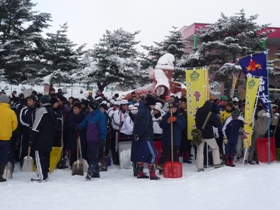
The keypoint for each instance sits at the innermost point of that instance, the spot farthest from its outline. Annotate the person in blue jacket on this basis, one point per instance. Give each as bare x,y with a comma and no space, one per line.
179,123
231,130
96,125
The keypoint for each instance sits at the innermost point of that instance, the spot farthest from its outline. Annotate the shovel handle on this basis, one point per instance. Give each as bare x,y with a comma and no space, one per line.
29,150
171,128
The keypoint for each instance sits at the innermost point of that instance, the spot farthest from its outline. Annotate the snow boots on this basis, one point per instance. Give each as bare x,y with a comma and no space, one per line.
140,173
93,172
152,170
2,168
229,160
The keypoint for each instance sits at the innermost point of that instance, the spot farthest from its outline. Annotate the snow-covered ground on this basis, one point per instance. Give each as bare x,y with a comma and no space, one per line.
246,187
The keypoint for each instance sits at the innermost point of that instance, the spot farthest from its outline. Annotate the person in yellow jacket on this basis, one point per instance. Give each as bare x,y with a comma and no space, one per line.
227,112
8,123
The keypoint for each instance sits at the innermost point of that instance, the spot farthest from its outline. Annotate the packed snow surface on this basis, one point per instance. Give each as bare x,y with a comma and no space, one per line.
243,187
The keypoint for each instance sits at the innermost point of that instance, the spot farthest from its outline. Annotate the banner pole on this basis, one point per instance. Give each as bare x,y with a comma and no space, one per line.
268,121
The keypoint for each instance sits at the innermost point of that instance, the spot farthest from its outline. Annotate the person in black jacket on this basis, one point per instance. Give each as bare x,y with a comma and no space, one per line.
26,119
74,119
208,135
143,134
41,139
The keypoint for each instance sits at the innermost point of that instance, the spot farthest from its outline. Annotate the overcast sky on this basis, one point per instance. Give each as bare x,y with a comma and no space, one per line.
89,19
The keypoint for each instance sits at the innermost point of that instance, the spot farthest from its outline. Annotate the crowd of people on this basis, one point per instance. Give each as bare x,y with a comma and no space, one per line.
41,121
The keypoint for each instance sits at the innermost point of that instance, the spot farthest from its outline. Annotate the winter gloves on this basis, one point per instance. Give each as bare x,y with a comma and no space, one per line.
171,119
225,140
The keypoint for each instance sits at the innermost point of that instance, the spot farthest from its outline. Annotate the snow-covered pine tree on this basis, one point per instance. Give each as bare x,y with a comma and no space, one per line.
60,55
113,60
174,44
20,36
226,40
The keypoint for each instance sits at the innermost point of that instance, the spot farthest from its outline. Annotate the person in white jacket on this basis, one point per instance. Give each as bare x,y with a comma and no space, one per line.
157,117
128,123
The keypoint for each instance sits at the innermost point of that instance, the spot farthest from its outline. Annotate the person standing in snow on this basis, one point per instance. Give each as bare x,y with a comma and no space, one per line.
207,135
179,123
231,131
26,119
143,134
96,125
8,123
42,136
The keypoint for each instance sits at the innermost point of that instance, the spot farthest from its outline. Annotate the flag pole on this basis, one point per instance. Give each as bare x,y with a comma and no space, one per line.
268,121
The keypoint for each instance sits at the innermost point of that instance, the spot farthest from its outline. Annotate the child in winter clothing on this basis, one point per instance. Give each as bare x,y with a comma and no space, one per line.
179,124
74,119
231,131
96,125
227,112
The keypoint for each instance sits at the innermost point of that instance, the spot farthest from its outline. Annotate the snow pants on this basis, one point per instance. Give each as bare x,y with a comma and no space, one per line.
93,156
146,152
42,163
4,151
215,152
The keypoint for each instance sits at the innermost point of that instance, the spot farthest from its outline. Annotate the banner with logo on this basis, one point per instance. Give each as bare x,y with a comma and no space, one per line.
252,88
256,66
197,92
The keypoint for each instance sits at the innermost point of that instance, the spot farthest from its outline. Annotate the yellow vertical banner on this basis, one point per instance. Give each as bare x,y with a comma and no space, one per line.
234,81
197,89
252,88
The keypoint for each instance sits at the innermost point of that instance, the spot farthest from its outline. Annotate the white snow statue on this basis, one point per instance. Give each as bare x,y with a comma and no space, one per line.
166,62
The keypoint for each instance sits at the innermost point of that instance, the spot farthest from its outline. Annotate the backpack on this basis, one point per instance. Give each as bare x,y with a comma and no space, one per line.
197,136
197,133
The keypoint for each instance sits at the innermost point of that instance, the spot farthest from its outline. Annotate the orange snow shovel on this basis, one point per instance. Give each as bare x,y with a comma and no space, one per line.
172,169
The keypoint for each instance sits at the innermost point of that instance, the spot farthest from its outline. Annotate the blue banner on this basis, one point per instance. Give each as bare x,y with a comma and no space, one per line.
256,66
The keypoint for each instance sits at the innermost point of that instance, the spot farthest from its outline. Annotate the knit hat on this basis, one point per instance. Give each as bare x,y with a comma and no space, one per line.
150,100
53,101
235,114
4,99
93,104
224,98
45,99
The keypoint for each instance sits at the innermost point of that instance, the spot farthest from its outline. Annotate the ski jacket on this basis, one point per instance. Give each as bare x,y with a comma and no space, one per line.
157,128
27,116
8,122
96,125
143,124
127,127
200,117
178,126
232,127
43,129
224,115
118,118
73,121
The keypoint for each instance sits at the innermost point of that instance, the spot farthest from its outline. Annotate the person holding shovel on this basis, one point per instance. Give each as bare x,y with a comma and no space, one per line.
96,125
8,123
41,138
179,123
